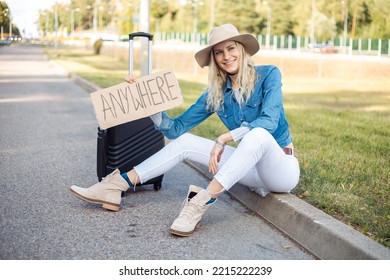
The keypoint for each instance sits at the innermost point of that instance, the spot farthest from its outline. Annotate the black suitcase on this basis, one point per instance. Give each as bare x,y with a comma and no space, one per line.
126,145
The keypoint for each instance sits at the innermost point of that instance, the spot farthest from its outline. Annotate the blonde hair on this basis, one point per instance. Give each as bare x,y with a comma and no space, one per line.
246,78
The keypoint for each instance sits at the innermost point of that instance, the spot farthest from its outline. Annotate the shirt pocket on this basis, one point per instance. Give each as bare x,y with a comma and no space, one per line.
252,109
227,117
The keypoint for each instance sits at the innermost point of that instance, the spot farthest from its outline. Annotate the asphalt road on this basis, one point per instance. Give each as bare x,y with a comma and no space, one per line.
48,142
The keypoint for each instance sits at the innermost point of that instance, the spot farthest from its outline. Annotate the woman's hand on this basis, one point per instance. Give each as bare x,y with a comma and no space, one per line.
131,79
215,157
216,152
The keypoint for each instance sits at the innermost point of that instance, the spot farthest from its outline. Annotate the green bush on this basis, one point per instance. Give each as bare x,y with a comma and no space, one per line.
97,46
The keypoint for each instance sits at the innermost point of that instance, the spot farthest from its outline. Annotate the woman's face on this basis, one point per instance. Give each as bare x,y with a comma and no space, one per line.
227,56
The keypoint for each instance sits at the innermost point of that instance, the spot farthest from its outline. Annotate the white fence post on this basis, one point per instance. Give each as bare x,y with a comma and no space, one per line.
306,42
267,41
259,39
369,45
275,43
298,43
289,42
350,46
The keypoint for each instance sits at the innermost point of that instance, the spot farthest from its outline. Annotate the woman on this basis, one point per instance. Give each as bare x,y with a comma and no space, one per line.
248,100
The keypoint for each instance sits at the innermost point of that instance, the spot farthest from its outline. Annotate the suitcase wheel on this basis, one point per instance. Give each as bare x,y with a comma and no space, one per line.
157,186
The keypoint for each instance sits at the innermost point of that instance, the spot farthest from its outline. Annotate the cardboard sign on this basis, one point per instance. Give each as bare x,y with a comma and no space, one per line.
127,102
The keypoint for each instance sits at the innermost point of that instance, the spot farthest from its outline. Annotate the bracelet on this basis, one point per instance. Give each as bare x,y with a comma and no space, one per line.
219,144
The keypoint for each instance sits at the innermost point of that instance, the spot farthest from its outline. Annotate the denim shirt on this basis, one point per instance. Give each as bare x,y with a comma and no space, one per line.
263,109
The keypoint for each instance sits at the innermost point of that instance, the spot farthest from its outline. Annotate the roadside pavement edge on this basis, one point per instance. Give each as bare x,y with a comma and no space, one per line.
87,85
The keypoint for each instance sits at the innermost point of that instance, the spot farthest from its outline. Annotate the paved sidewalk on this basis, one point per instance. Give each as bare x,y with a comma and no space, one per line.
48,143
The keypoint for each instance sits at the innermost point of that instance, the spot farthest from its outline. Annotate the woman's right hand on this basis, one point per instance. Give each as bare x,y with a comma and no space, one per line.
215,157
130,79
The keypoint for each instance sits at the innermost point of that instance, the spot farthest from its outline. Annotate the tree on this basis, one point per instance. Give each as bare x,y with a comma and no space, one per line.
158,9
325,27
366,18
380,25
241,14
282,21
5,15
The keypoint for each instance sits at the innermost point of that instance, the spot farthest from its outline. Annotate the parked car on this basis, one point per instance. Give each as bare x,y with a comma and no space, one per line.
322,48
5,42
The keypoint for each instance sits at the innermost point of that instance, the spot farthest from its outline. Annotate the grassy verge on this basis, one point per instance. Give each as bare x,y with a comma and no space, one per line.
342,141
344,149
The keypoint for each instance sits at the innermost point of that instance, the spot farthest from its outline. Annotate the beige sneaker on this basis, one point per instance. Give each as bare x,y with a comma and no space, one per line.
107,192
193,208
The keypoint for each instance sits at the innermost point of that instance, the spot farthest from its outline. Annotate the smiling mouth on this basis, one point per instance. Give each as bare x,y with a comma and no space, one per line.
229,62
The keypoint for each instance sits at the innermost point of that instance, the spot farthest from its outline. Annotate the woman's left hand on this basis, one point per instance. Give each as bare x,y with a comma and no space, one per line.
131,79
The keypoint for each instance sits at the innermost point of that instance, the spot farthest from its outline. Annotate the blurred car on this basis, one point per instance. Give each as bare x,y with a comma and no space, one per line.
5,42
322,48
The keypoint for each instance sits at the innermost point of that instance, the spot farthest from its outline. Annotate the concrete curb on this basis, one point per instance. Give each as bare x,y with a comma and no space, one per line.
87,85
319,233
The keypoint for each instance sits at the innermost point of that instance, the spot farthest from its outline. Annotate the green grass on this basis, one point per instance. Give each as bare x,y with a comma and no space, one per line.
344,152
342,141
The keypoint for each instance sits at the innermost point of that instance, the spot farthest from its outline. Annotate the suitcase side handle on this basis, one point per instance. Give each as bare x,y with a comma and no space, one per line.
140,34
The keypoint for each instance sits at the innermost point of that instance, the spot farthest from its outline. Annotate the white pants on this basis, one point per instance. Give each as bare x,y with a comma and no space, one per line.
258,162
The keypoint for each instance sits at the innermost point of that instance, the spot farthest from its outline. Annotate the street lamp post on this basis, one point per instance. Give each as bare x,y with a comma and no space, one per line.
195,22
94,21
269,21
56,28
71,24
313,22
72,21
100,17
195,4
10,24
144,21
47,28
345,4
212,13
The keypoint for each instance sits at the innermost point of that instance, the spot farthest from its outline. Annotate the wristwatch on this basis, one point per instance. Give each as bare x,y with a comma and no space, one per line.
219,144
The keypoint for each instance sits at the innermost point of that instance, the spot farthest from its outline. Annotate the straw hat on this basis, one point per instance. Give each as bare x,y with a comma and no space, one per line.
226,32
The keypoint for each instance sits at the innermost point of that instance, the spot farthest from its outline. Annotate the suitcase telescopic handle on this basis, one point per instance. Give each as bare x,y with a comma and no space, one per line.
140,34
131,49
